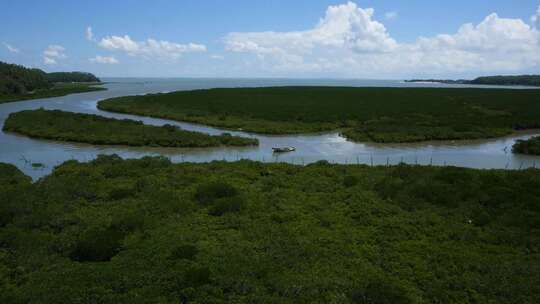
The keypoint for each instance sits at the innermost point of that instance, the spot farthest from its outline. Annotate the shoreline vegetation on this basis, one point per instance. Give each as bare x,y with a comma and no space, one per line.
148,231
19,83
57,90
99,130
521,80
530,146
384,115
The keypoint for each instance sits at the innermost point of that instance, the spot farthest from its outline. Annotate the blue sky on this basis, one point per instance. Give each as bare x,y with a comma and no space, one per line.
301,38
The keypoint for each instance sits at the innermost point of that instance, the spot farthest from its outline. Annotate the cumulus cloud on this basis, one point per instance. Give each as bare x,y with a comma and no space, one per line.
348,41
390,15
11,48
344,26
104,59
52,53
89,34
150,48
492,34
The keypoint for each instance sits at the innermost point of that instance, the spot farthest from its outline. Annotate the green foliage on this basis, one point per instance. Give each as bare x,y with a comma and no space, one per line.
529,146
362,114
20,83
14,185
188,252
524,80
144,231
197,276
350,181
521,80
209,192
94,129
72,77
16,79
97,245
384,290
226,205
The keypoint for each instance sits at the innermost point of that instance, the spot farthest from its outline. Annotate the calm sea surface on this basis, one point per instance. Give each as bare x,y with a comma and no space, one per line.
23,151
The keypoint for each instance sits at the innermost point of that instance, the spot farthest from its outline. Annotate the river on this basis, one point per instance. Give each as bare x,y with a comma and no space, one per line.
23,151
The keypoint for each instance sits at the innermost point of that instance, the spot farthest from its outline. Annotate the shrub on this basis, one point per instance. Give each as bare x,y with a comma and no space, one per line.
350,181
382,291
210,192
226,205
128,221
197,276
97,245
121,193
186,251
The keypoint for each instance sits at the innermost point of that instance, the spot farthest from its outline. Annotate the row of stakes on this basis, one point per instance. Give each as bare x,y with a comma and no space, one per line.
371,162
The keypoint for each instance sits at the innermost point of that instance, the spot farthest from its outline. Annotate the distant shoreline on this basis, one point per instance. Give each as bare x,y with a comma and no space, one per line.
59,89
521,80
439,81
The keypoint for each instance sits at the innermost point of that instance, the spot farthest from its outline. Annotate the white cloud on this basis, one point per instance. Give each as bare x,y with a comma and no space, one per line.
492,34
119,43
11,48
535,19
52,53
217,57
150,48
347,41
48,60
104,59
344,26
390,15
90,34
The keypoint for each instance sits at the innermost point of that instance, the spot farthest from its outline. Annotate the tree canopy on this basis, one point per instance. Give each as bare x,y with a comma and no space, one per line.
72,77
149,231
19,83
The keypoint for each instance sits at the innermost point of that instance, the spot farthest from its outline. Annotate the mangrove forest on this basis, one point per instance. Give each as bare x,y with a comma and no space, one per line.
149,231
361,114
94,129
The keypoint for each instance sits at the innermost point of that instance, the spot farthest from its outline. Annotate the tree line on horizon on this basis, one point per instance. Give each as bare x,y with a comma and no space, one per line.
521,80
17,80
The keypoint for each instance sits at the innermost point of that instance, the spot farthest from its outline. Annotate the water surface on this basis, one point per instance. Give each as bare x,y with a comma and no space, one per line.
23,151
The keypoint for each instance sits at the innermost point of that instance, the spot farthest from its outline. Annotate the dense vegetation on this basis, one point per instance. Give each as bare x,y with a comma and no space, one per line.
148,231
58,89
529,146
72,77
522,80
94,129
364,114
20,83
16,79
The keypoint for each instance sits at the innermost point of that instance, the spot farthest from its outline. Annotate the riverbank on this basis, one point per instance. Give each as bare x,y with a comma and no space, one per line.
58,89
384,115
94,129
227,232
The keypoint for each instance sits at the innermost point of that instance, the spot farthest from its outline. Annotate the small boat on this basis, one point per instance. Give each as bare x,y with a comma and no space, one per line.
283,149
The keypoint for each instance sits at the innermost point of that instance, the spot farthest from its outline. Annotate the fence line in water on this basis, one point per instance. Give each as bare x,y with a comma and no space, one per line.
357,160
386,161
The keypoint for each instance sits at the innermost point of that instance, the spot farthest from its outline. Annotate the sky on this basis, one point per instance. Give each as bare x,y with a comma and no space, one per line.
383,39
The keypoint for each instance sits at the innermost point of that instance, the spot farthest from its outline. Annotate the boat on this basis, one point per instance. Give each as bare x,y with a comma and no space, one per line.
283,149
